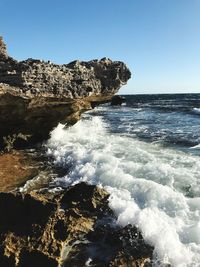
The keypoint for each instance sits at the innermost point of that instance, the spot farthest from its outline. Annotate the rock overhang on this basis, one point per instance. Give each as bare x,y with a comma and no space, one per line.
35,95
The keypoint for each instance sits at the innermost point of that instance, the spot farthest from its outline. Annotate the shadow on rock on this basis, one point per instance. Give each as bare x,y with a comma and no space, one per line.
68,227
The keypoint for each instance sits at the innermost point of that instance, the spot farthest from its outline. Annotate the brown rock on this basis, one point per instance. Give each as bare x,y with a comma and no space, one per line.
69,228
36,95
15,169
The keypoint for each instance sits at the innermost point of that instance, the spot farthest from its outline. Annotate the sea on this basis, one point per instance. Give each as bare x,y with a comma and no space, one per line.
146,154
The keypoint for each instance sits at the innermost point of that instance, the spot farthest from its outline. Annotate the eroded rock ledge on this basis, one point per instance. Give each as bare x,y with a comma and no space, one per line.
73,227
36,95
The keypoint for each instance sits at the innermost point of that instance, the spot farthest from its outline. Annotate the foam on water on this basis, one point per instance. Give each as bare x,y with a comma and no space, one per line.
150,186
196,110
195,147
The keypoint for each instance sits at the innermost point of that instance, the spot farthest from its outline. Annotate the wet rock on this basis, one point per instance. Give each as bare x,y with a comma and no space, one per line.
117,100
70,227
35,95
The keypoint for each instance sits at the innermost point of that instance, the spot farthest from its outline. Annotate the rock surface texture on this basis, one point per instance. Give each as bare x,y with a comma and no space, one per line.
15,169
73,227
36,95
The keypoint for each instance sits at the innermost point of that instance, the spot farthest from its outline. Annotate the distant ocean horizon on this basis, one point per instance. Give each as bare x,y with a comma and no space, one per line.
146,154
154,94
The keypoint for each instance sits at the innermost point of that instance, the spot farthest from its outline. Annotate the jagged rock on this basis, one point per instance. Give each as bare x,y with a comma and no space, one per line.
3,51
72,227
36,95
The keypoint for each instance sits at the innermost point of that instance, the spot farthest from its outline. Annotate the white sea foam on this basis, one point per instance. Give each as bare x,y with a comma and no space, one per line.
196,110
148,185
195,147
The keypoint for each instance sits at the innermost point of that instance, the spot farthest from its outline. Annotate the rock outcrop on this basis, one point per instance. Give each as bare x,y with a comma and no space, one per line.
15,169
36,95
117,100
3,51
72,227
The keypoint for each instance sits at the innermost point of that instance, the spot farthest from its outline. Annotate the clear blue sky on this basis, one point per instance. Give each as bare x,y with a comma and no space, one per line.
158,39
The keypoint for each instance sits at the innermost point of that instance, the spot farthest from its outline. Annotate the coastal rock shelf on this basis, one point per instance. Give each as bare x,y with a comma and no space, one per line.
71,227
36,95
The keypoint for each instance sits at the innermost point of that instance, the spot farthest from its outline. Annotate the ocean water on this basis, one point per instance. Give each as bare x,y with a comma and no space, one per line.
147,155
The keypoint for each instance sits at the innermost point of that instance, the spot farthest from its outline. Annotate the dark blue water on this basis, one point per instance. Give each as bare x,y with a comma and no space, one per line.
172,120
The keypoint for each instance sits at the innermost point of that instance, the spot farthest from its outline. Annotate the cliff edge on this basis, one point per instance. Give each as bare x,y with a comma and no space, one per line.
35,95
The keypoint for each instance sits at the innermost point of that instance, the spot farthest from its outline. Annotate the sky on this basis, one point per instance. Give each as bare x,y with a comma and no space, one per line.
159,40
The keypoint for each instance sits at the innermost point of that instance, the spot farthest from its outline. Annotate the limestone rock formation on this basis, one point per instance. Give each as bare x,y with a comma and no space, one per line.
36,95
72,227
3,51
16,168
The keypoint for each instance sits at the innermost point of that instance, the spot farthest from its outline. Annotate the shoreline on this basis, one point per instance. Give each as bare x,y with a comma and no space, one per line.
33,205
44,226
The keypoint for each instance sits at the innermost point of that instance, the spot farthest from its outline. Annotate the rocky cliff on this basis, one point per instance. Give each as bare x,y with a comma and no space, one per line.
59,227
36,95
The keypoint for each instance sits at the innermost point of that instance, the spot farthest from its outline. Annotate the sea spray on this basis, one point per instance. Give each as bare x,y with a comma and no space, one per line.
148,184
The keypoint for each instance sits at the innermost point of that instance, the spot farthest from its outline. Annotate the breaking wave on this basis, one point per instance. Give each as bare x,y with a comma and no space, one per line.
154,187
196,110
